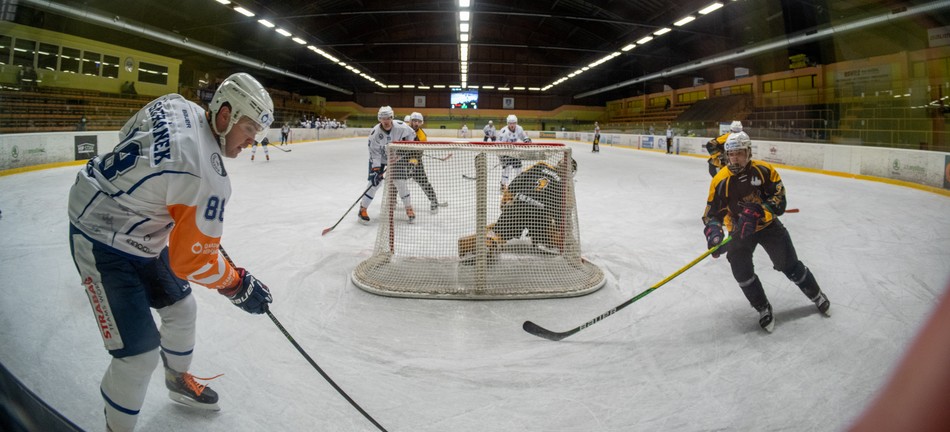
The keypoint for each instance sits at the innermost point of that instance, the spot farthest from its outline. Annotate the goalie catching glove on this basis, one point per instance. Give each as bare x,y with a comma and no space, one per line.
250,294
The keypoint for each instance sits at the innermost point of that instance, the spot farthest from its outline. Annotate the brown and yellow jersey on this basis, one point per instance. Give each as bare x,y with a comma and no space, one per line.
757,183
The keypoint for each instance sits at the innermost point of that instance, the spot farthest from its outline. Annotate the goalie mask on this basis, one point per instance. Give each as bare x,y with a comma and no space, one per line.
247,98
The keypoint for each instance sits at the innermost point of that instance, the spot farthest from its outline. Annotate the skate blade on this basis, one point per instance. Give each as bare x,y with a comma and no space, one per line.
187,401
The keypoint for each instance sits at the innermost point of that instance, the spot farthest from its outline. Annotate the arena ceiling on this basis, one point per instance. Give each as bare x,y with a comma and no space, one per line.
512,43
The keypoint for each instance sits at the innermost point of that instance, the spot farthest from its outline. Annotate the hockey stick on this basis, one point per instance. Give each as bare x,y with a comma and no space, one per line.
310,360
792,210
278,148
326,230
443,159
537,330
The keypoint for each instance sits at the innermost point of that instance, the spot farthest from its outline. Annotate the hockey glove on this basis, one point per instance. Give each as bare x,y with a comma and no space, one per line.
527,140
251,294
749,219
376,176
714,236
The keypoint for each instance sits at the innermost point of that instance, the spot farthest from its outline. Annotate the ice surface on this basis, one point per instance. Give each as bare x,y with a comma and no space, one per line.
688,357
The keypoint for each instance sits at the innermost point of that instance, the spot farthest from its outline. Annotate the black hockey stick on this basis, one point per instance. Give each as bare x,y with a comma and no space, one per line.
443,159
326,230
281,149
310,360
537,330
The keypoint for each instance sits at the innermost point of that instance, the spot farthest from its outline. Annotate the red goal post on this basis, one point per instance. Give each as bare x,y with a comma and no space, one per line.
471,238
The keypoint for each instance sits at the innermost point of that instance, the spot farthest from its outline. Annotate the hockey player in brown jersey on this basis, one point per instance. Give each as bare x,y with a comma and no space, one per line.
747,198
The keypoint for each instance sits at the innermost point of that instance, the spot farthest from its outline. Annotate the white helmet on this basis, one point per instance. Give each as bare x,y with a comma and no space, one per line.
247,98
416,116
736,126
512,118
738,141
385,112
406,119
490,122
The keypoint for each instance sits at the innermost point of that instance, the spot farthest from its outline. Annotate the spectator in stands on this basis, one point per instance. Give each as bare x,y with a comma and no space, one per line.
667,105
82,123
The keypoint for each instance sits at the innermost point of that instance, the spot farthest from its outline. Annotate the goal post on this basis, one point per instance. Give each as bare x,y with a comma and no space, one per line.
487,228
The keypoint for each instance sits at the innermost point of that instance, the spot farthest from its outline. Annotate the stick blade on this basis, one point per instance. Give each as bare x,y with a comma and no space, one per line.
539,331
325,231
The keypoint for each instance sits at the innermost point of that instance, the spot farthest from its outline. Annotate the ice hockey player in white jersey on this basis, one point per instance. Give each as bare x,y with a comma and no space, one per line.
510,165
387,131
146,221
490,132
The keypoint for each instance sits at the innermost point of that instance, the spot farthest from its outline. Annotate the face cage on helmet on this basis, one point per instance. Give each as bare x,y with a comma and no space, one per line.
736,168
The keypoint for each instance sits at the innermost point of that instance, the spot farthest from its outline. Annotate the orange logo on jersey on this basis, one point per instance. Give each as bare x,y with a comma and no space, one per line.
542,183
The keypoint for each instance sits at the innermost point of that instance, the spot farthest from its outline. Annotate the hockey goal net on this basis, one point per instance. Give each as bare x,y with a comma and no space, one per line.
498,222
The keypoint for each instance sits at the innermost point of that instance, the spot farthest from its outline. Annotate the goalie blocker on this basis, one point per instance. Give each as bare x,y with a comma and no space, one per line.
518,242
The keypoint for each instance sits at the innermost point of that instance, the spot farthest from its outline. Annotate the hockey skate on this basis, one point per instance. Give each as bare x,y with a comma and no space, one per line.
766,320
822,303
183,388
363,215
411,214
434,207
252,158
267,156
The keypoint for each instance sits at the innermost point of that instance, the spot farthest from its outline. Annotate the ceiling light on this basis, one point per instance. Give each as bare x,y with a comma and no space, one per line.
518,88
266,23
393,86
685,20
464,16
488,87
628,47
224,2
300,41
463,37
644,40
283,32
408,86
710,8
662,31
244,12
464,3
439,86
463,27
534,88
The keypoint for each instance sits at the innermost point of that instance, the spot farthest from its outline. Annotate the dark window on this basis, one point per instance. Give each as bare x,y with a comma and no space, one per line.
110,66
152,73
91,63
6,43
46,56
24,52
69,60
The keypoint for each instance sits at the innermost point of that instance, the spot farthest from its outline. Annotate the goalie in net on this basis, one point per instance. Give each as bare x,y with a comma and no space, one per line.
520,242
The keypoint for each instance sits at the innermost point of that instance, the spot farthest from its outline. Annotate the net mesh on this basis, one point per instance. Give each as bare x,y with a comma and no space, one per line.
492,221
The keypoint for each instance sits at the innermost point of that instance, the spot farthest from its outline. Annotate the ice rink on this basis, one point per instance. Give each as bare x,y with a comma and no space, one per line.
688,357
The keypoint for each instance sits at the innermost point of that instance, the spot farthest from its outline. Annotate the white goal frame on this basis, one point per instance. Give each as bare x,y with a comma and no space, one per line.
454,253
